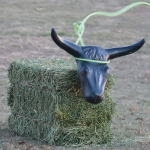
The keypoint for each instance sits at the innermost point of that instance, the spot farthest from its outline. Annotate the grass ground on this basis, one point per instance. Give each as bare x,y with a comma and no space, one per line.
25,33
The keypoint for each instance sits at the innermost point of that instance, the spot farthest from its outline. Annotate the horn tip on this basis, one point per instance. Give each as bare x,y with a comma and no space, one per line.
53,33
52,30
143,40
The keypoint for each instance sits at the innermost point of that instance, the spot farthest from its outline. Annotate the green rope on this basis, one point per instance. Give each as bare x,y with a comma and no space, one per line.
79,26
94,61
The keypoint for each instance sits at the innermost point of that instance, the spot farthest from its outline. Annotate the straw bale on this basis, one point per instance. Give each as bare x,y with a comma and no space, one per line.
46,104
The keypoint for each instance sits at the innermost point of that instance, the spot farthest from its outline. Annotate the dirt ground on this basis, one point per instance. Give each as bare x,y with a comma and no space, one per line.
25,33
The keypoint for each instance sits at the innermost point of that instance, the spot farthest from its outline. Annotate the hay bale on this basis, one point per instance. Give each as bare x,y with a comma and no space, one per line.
46,104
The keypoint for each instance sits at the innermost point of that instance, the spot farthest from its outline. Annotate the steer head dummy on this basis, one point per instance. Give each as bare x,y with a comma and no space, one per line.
92,62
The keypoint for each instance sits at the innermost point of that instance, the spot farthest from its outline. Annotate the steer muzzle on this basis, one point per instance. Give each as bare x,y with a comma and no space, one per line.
94,98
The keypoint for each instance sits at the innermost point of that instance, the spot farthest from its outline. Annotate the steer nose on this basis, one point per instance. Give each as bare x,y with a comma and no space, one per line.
98,98
95,98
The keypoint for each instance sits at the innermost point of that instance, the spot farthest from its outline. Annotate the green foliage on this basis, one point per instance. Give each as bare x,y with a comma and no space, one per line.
46,104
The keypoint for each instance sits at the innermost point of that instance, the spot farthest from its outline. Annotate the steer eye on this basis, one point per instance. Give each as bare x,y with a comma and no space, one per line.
84,70
107,69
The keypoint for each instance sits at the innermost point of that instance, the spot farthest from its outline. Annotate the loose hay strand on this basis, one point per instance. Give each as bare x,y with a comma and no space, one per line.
46,104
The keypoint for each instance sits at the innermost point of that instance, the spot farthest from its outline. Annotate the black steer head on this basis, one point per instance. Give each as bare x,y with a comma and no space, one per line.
93,76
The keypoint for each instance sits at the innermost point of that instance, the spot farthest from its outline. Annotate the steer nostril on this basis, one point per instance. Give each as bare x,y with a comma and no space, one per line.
98,97
94,98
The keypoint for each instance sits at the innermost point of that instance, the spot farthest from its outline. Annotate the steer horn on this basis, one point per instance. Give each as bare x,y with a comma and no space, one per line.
69,47
121,51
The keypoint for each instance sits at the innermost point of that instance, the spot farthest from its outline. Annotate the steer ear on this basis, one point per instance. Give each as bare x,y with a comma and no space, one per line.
121,51
69,47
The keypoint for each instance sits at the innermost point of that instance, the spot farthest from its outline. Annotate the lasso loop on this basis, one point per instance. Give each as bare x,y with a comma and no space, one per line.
79,30
80,25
